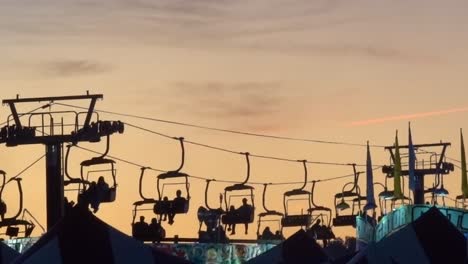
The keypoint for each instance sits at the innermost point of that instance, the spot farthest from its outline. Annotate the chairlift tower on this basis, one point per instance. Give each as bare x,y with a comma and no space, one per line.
436,165
16,133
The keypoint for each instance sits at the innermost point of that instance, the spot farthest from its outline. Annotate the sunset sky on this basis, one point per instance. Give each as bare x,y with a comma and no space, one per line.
332,70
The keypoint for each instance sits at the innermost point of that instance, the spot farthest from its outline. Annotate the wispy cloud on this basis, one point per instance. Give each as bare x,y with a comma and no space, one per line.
278,26
69,68
408,116
253,104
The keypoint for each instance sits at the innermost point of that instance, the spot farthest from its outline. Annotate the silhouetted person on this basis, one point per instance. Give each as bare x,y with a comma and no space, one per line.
267,234
140,229
178,205
279,235
91,196
315,227
164,206
102,189
156,231
3,209
68,206
230,215
245,211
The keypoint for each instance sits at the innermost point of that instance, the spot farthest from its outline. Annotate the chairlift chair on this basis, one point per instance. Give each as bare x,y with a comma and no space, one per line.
137,231
102,161
13,224
211,217
324,214
342,200
69,179
241,217
303,219
268,213
164,207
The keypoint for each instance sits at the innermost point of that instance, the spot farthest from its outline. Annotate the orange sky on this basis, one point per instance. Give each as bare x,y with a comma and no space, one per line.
295,68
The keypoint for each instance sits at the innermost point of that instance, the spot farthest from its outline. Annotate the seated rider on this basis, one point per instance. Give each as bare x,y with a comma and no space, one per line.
102,188
245,212
140,229
156,231
165,206
178,206
230,216
267,234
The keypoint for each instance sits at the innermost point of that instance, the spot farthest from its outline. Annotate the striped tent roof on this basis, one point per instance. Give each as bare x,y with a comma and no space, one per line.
298,248
7,254
80,237
432,238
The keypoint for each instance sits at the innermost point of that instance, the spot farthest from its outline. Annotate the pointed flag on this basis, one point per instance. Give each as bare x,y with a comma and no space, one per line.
397,171
411,160
370,182
463,168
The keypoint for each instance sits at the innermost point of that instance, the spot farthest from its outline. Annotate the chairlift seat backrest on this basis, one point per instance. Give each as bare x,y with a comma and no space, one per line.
109,196
73,181
296,192
296,220
205,214
386,194
96,161
360,198
236,218
322,233
13,222
146,201
319,208
270,213
346,194
238,187
170,206
344,220
12,231
172,174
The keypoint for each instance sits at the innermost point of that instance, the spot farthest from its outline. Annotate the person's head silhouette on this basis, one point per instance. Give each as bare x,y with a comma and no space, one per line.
101,179
244,201
142,219
179,193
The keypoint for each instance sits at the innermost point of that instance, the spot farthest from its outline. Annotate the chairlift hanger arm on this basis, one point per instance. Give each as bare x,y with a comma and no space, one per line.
248,167
208,181
67,154
140,184
356,176
265,185
107,147
304,162
181,140
20,209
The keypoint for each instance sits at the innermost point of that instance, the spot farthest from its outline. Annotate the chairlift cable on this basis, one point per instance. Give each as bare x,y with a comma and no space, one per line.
25,169
218,180
225,130
237,152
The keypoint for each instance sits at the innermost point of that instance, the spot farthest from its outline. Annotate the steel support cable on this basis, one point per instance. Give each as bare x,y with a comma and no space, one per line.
25,169
218,180
224,130
237,152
